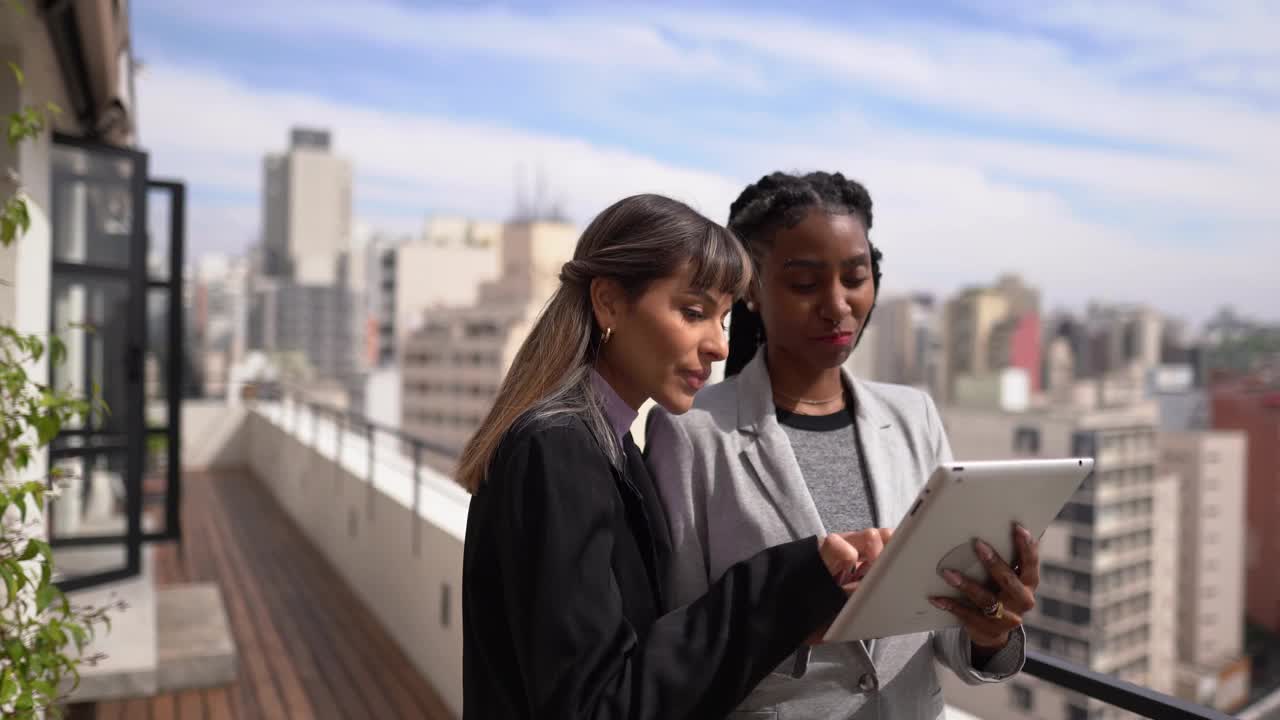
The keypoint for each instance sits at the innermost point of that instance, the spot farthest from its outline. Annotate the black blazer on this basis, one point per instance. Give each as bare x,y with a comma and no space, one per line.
562,594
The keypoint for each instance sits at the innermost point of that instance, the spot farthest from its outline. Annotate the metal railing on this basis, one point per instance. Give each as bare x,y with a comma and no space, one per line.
1114,691
300,416
1062,673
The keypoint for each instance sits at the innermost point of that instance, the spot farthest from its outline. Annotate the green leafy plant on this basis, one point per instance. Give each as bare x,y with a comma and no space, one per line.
42,634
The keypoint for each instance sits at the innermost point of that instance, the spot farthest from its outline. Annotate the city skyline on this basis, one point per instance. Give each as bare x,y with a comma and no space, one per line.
1099,152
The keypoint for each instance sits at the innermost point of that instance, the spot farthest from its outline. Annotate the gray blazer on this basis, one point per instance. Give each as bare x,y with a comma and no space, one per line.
731,487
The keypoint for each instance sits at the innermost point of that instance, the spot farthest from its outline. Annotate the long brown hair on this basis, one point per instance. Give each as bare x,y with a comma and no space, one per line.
635,241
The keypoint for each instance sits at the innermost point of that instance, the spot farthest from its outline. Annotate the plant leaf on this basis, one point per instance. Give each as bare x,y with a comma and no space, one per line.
57,350
17,73
30,551
47,427
10,583
8,687
46,595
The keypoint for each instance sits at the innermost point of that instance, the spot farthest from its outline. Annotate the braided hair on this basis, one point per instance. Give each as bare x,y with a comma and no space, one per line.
777,202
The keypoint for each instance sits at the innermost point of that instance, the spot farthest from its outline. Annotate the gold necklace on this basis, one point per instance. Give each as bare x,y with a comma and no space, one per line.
803,401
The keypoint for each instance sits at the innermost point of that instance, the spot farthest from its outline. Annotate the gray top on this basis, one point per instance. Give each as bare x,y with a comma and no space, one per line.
826,446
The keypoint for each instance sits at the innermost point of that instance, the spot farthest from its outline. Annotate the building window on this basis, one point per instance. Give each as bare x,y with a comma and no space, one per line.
1075,712
1022,697
1082,582
1084,444
1081,548
1076,513
1026,441
1080,615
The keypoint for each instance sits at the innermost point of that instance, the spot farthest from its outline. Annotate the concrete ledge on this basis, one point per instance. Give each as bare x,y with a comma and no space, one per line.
196,649
176,638
129,668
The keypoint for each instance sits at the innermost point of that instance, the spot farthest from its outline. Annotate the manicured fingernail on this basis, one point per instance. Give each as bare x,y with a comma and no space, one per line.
952,577
984,550
938,603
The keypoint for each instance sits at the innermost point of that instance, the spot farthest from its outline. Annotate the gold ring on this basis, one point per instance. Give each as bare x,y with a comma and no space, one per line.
995,610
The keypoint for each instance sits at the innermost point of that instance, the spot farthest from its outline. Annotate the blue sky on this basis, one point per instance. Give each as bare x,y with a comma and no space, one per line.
1123,151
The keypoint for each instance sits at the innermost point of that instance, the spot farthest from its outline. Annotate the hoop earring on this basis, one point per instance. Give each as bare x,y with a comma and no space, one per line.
608,333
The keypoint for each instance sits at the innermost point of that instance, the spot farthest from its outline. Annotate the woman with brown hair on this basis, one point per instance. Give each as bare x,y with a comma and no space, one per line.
567,544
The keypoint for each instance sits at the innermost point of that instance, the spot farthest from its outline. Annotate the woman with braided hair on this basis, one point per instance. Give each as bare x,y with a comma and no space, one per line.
563,579
791,443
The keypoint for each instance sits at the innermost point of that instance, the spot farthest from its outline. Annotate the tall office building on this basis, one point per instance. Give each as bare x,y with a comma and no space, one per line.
312,321
301,298
1213,669
1127,336
1109,563
306,210
453,364
218,286
908,347
380,300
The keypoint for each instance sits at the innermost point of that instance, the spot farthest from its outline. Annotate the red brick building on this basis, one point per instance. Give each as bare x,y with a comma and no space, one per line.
1254,408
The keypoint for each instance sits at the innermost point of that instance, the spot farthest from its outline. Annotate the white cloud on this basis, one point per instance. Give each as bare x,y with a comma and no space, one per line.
213,131
1223,153
948,211
942,219
1154,32
588,41
998,75
946,224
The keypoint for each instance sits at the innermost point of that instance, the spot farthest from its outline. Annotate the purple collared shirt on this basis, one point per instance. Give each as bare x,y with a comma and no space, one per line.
619,413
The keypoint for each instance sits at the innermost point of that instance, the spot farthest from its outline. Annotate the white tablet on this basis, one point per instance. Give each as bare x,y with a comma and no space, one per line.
961,501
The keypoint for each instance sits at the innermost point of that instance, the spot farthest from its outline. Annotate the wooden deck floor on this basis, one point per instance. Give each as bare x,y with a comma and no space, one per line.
308,648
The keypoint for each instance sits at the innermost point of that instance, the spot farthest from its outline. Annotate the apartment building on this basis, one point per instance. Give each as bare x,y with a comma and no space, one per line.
907,348
453,364
1108,595
306,210
444,267
1210,466
988,329
312,321
1252,406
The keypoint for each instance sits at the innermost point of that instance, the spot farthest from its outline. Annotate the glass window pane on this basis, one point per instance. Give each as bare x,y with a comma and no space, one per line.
157,358
92,207
90,316
91,495
159,239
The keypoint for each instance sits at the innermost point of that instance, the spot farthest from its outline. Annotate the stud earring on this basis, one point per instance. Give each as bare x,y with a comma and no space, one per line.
751,305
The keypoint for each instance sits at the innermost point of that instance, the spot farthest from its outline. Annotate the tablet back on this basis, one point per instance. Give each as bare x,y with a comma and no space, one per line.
960,502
